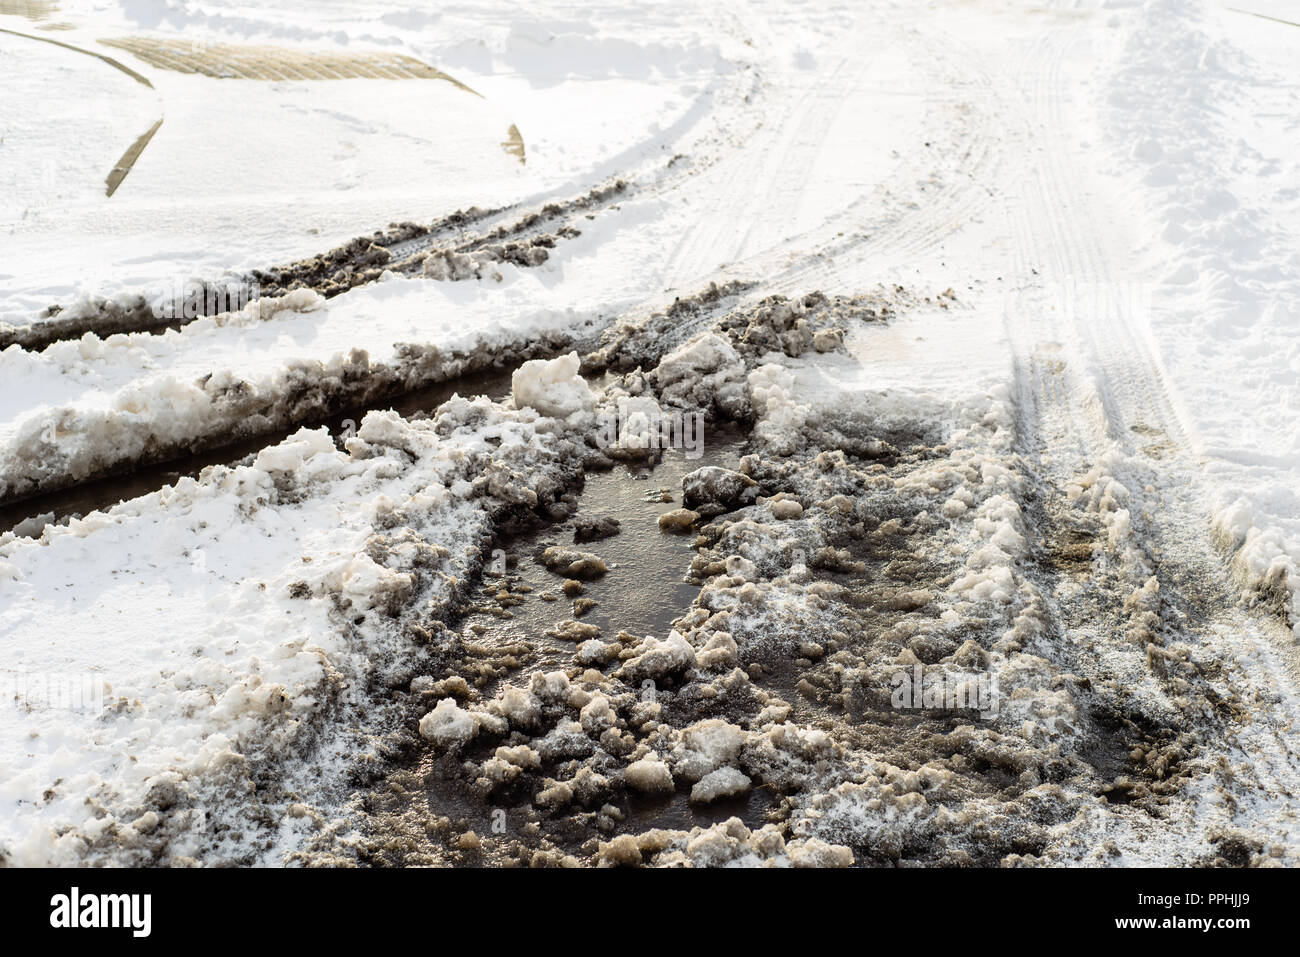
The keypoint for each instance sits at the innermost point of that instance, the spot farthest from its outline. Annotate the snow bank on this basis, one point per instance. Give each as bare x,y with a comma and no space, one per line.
262,602
86,407
1210,170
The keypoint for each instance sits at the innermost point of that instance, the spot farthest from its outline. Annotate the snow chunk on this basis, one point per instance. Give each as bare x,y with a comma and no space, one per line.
712,490
701,372
814,852
552,386
519,706
448,725
650,776
291,454
658,658
706,746
678,520
724,782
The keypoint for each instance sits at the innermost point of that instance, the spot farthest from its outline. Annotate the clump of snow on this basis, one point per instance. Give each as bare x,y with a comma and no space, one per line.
552,387
712,490
707,746
650,776
781,417
655,659
678,520
702,373
726,782
1262,559
448,725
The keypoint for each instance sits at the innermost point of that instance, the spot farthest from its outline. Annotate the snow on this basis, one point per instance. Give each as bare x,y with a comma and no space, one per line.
246,173
649,775
115,399
655,658
706,747
447,726
722,783
1215,180
552,387
230,588
1013,324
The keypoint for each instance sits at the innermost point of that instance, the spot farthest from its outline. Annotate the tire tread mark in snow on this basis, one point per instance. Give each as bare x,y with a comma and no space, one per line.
1073,416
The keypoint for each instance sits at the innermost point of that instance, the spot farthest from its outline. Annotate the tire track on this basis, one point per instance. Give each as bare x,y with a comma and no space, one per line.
1227,664
902,233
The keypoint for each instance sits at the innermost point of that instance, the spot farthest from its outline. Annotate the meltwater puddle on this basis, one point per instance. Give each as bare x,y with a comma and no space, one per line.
644,591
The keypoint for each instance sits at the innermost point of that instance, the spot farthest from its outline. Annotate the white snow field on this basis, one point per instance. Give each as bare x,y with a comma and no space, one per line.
1002,297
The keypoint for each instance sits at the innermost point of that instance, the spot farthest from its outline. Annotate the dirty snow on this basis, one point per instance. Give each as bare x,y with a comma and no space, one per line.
1002,298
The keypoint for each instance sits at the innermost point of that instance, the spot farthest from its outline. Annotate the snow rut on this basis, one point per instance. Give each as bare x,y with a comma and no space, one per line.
977,545
1106,441
463,245
941,185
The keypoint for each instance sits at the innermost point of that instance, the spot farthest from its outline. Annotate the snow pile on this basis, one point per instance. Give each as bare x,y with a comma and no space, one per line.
702,373
262,601
1262,558
85,407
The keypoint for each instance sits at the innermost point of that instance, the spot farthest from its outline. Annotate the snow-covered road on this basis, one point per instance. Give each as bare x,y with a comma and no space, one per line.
1075,227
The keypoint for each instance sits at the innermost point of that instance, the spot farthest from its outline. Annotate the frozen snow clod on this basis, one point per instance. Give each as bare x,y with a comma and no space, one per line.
813,852
828,340
597,715
719,652
449,266
623,851
293,453
786,509
573,564
573,631
678,520
724,782
649,776
260,310
596,652
782,420
448,726
713,490
640,421
707,746
519,706
701,373
552,387
656,659
373,585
